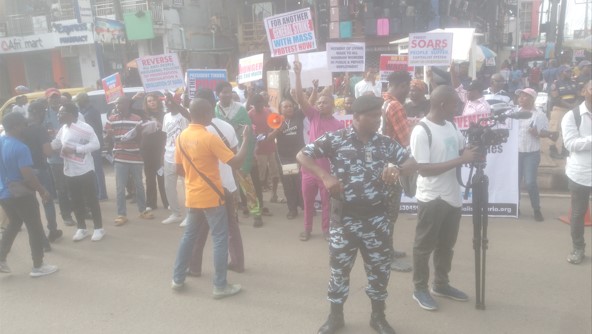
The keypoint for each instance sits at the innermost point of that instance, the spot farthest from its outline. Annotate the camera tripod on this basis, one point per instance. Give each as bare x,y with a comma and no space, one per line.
480,202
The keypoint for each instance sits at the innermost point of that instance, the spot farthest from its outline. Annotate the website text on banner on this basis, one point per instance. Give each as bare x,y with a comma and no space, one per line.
197,79
161,72
502,170
291,32
394,63
346,57
250,69
112,87
430,49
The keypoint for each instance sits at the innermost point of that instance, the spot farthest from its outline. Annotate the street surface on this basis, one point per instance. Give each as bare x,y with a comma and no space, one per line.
122,283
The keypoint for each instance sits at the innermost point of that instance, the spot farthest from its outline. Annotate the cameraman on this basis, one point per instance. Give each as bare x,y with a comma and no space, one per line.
529,146
438,197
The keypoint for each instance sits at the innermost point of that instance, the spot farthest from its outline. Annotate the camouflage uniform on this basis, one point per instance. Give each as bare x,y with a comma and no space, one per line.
365,224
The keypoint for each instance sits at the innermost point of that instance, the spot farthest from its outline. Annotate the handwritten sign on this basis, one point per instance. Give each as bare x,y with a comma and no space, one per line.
346,57
430,49
112,87
291,32
394,63
250,68
161,72
197,79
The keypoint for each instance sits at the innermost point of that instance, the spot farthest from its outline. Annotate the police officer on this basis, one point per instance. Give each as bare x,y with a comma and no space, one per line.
564,93
362,163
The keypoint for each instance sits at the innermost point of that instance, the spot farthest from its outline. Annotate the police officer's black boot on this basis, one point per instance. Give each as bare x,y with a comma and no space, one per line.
378,320
334,321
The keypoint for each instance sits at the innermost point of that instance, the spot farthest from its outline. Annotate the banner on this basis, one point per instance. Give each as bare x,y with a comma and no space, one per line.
394,63
502,170
430,49
112,87
291,32
250,69
346,57
109,31
161,72
197,79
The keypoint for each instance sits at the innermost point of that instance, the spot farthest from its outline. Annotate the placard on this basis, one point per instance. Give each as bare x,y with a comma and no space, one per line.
346,57
197,79
250,69
394,63
112,87
161,72
430,49
314,67
290,33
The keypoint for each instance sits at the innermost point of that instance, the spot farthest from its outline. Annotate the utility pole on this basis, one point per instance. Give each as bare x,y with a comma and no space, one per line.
561,29
552,35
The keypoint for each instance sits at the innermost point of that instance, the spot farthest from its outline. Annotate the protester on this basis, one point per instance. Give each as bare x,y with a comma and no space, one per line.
534,77
21,105
578,168
495,93
321,121
585,67
235,114
76,141
18,186
359,170
438,197
347,105
197,154
369,84
471,95
550,74
418,105
92,117
125,129
515,81
529,147
463,74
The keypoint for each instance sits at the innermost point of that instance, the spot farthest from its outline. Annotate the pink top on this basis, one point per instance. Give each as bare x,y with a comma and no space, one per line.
318,127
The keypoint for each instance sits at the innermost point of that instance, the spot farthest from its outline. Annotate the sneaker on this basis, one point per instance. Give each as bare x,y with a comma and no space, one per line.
576,256
147,214
43,270
148,208
69,222
398,254
173,219
227,291
425,300
80,234
98,234
538,216
54,235
450,292
177,286
183,223
4,268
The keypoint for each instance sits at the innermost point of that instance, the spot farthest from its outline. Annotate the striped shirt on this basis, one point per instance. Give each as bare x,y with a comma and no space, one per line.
124,151
478,106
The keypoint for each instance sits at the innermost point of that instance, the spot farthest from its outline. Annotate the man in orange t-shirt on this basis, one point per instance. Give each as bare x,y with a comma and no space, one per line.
196,156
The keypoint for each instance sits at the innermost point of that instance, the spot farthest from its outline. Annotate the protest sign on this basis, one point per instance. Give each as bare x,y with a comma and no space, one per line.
430,49
394,63
250,68
346,57
314,67
161,72
197,79
502,170
291,32
112,87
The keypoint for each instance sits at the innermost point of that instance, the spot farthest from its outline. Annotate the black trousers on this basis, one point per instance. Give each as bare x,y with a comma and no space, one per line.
83,189
293,191
151,167
23,210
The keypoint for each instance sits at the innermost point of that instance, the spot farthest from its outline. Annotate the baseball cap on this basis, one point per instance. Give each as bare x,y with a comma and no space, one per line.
528,91
584,63
22,89
52,91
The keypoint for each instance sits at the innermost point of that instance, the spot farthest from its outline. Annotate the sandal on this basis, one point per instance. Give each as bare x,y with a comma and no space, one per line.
147,215
304,236
120,220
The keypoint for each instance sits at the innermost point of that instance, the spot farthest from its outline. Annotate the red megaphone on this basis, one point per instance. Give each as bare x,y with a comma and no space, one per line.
275,121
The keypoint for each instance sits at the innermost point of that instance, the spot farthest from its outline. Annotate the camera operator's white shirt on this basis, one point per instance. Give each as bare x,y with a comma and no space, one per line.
447,141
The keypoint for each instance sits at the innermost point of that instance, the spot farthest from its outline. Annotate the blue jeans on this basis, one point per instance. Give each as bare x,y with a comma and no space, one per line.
46,180
217,219
101,186
528,166
122,172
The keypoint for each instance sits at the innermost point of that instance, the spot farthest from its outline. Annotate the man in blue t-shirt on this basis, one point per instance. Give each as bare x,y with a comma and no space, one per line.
18,185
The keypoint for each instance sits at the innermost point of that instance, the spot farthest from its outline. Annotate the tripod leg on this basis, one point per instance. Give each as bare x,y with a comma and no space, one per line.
484,240
477,212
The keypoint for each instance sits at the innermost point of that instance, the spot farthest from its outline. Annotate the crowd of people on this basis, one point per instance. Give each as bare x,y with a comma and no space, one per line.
221,145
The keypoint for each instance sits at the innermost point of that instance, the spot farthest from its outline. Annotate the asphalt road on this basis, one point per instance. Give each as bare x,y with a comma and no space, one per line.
122,283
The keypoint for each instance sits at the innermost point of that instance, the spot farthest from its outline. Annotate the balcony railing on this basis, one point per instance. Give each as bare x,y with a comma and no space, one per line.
19,25
132,6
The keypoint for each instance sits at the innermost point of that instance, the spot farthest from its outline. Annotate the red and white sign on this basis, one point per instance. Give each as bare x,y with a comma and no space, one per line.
250,68
394,63
161,72
112,87
291,32
430,49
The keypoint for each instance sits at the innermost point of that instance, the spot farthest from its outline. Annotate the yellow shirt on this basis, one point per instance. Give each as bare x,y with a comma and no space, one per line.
205,150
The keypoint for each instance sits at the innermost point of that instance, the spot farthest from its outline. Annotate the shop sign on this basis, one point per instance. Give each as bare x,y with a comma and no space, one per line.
27,43
71,32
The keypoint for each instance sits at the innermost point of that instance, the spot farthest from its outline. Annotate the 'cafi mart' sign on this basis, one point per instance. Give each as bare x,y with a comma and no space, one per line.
27,43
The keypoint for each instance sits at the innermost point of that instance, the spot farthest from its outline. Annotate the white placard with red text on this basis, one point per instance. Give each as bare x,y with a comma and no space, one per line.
161,72
291,32
250,69
430,49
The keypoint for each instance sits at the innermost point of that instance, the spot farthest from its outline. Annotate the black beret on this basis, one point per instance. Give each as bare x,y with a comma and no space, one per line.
366,103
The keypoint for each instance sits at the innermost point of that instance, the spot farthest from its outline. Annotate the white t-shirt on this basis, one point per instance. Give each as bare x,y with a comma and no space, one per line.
172,125
228,132
447,141
366,86
528,142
